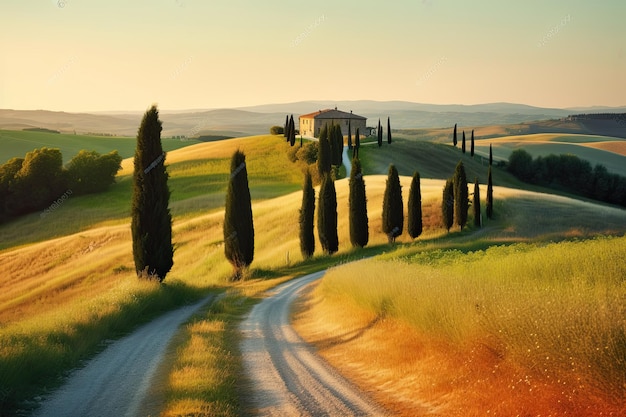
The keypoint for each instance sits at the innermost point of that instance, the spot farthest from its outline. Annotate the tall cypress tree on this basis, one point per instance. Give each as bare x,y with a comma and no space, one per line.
359,227
292,131
472,144
476,204
151,223
349,134
238,223
454,141
388,131
307,211
336,144
490,155
461,202
357,144
393,210
327,216
414,223
324,155
463,143
380,134
447,204
286,130
489,195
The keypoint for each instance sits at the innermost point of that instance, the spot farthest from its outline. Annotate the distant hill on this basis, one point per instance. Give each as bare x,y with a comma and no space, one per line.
255,120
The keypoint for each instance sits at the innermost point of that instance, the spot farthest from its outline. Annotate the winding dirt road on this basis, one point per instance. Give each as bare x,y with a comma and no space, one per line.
286,377
117,381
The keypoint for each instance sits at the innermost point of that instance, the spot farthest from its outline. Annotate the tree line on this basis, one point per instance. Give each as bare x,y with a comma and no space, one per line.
571,174
39,179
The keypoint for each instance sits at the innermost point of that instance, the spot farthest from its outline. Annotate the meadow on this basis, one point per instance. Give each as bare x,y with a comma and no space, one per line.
69,284
16,143
540,327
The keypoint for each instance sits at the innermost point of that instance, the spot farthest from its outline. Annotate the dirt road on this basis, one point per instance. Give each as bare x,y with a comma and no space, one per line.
286,377
116,382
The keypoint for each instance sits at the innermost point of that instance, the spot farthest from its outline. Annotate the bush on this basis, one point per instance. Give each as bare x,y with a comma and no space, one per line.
90,172
277,130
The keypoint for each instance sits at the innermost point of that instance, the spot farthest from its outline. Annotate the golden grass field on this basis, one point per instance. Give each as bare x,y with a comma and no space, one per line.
69,283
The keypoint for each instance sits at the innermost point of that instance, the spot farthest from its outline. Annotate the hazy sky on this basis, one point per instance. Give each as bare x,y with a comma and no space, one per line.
88,55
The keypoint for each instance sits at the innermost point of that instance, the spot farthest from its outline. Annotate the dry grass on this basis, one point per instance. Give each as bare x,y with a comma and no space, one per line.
520,330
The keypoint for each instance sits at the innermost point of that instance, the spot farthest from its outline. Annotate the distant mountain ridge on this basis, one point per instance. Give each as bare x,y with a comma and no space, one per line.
253,120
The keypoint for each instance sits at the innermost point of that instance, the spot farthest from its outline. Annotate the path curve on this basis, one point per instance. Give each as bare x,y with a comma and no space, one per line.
286,377
116,382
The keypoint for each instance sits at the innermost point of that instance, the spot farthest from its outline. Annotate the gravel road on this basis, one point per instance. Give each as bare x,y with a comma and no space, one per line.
286,377
116,382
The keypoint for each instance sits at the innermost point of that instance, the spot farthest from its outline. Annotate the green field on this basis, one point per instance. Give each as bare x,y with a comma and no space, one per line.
16,143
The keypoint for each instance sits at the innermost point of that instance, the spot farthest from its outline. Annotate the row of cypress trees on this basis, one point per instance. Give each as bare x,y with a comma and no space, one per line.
392,216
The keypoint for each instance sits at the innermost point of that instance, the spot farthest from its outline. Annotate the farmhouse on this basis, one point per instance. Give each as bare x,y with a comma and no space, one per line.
311,124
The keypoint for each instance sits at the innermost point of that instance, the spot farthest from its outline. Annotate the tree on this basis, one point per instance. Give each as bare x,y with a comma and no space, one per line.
388,131
454,141
359,227
489,195
472,144
476,205
379,131
307,211
336,144
323,153
447,204
238,222
463,143
327,216
461,202
40,180
292,132
349,134
490,155
393,211
521,165
90,172
151,223
277,130
414,222
8,171
286,130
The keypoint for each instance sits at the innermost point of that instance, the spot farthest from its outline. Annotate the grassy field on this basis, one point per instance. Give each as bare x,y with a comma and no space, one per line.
68,281
539,327
16,143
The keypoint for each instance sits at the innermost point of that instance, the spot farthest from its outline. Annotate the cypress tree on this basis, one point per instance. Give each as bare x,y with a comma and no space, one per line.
349,134
388,131
336,143
357,144
380,134
286,130
238,223
327,216
414,223
151,223
447,204
393,211
292,131
489,195
324,155
472,144
490,155
476,205
307,211
359,228
463,143
454,141
461,202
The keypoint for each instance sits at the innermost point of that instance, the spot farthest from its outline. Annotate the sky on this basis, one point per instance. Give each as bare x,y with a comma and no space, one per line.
108,55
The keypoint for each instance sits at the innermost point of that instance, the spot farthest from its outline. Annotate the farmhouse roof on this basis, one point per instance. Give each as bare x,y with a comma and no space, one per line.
332,114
